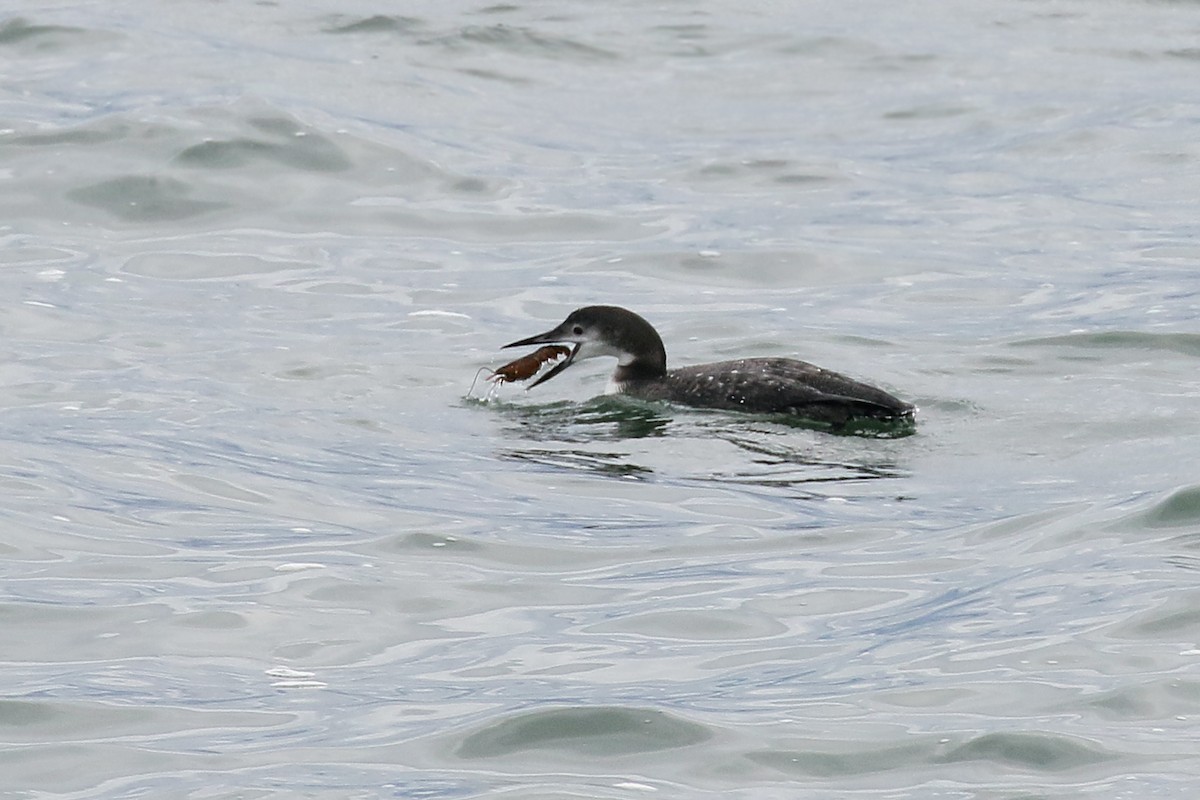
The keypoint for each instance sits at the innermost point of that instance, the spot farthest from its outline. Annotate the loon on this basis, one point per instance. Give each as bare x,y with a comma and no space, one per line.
756,385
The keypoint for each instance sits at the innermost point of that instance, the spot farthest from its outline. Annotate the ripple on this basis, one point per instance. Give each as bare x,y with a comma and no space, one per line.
145,198
525,41
1042,752
294,147
1185,343
858,761
184,266
1159,699
696,625
377,23
1180,510
592,732
22,33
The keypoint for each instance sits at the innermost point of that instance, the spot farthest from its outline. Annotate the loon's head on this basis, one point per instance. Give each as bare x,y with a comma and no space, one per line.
606,331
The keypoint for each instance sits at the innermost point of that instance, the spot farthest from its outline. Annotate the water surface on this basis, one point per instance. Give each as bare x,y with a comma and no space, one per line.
260,542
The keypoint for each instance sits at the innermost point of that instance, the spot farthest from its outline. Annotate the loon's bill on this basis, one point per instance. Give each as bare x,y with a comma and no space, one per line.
757,385
542,338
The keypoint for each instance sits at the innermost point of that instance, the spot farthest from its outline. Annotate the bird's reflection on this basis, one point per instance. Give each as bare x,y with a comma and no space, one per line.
774,452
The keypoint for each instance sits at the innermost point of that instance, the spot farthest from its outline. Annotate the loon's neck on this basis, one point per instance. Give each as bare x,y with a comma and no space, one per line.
640,369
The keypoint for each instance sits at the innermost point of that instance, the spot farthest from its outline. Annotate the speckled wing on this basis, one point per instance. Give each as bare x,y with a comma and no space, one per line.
781,385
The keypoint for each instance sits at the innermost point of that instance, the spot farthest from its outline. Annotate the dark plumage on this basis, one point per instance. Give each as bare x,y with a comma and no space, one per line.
772,386
758,385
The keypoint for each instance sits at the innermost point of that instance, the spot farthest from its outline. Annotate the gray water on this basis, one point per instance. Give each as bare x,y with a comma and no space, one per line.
259,542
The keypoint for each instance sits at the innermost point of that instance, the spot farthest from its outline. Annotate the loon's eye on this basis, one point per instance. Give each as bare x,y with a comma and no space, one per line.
578,330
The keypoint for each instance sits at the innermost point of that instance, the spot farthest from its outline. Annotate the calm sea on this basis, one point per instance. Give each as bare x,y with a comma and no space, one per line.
258,541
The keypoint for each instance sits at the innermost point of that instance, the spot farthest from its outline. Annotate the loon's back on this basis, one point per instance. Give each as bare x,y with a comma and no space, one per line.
772,386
